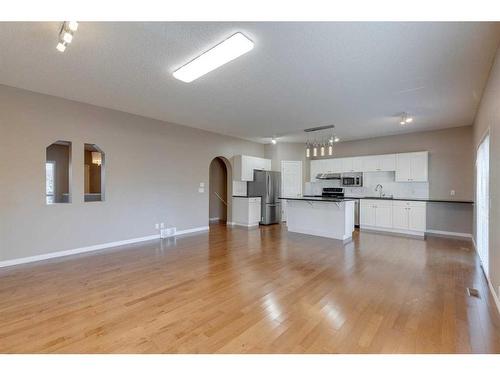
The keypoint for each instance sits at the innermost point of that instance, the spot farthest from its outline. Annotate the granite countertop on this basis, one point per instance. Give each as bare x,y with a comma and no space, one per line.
313,198
430,200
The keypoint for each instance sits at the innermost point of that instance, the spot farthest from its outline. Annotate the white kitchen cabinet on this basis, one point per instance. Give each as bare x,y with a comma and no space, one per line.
244,165
417,220
316,167
410,215
370,164
412,167
367,214
407,217
379,163
246,211
347,165
400,217
376,213
387,163
383,214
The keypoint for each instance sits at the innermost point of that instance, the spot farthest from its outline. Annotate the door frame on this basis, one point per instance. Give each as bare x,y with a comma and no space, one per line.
485,135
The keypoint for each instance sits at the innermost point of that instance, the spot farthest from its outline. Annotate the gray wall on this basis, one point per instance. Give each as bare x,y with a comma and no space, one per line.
153,171
488,119
450,168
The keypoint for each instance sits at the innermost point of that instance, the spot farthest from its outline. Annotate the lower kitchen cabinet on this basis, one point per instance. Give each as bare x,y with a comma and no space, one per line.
407,217
246,211
375,213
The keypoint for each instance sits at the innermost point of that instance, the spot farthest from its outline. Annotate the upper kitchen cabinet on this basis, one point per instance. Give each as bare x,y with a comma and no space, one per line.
243,166
354,164
412,167
379,163
319,166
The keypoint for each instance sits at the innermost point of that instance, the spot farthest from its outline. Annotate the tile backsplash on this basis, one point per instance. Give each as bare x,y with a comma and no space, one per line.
370,181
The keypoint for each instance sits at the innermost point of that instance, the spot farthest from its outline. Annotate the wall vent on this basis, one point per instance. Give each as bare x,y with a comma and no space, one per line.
473,292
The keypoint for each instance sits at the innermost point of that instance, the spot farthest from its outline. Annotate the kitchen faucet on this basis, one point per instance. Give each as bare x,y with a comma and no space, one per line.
379,189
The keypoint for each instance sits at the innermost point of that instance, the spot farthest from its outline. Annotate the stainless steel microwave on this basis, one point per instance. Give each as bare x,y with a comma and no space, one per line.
352,179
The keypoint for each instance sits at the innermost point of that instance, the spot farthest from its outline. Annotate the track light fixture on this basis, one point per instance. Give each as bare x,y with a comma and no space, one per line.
66,34
324,146
405,119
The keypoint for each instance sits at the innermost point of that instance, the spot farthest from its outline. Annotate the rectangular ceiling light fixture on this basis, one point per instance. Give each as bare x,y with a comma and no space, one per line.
233,47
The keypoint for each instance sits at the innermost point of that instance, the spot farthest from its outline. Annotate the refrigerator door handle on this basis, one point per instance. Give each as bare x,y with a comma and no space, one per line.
268,186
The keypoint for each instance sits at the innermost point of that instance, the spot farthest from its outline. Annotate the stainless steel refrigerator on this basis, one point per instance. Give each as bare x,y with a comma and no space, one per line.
267,185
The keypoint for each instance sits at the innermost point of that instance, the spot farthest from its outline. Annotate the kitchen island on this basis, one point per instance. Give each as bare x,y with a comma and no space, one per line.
321,216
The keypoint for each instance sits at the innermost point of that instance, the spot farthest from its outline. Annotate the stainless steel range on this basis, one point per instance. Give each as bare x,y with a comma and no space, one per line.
333,192
339,193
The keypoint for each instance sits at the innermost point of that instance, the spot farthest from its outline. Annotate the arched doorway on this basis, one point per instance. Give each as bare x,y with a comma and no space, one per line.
219,191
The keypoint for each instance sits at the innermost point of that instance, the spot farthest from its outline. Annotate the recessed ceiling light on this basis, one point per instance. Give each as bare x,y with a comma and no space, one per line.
233,47
274,141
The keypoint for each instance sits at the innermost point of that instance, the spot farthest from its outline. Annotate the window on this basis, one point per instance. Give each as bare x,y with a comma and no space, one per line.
58,173
93,173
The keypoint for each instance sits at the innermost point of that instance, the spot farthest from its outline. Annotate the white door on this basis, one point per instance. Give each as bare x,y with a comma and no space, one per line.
400,217
291,181
483,202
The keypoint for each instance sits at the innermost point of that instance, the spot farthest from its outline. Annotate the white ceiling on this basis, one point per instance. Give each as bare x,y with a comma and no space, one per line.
358,76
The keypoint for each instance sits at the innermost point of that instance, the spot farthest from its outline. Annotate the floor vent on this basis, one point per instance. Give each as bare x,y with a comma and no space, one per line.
473,292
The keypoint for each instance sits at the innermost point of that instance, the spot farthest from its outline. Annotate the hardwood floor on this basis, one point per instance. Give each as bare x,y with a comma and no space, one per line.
264,291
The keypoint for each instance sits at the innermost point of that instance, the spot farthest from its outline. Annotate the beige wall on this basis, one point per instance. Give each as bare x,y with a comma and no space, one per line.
450,168
488,119
218,184
153,171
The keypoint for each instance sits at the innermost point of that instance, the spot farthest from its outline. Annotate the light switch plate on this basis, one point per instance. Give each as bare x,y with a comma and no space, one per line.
202,184
452,192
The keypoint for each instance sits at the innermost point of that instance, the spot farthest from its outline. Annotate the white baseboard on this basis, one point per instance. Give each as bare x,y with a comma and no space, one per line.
449,234
63,253
492,289
493,293
404,232
192,230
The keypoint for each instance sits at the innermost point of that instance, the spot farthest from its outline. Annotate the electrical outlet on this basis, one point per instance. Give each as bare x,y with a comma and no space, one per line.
452,192
201,190
162,225
157,226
